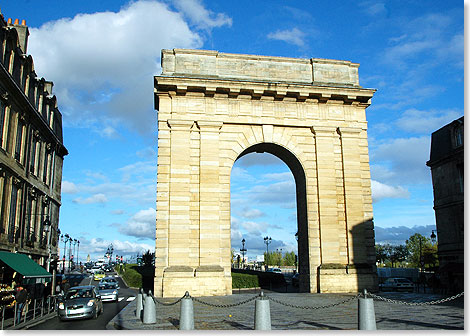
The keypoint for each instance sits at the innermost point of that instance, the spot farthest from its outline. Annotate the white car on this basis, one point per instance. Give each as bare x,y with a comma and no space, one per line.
275,270
94,269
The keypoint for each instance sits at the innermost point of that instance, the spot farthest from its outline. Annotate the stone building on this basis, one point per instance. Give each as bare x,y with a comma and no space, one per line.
214,108
31,151
447,170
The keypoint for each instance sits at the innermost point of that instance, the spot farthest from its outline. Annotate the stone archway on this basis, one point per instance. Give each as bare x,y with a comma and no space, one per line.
215,107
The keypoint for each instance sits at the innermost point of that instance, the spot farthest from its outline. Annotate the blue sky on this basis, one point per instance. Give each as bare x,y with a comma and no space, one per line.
102,56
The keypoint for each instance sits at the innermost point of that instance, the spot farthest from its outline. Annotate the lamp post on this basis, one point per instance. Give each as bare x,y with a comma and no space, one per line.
47,229
66,239
78,250
267,241
243,250
434,236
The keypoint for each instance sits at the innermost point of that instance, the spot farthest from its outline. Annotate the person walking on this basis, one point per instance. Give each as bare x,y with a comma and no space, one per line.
21,297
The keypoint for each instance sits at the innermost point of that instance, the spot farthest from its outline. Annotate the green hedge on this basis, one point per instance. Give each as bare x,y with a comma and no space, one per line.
137,276
244,280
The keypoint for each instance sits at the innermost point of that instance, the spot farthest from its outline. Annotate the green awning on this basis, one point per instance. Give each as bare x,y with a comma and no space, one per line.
25,266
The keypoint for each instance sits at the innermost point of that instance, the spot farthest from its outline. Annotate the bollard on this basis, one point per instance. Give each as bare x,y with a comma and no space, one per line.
139,305
150,310
262,313
366,313
187,313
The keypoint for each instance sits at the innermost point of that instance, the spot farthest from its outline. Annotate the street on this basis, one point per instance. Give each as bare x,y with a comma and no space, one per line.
110,309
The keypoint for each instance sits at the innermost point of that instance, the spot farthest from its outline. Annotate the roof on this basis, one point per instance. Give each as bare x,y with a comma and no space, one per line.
24,265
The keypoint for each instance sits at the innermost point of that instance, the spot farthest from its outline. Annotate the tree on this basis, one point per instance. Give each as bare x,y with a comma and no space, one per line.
380,253
422,252
289,259
148,258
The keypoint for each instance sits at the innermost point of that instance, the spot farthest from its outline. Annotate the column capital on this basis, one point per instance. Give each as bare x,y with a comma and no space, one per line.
324,131
180,125
349,132
209,126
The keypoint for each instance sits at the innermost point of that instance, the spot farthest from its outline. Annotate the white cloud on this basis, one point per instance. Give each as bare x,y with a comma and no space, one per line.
282,193
252,213
426,122
69,187
109,132
201,17
103,64
374,8
98,246
381,191
97,198
141,225
292,36
402,160
286,176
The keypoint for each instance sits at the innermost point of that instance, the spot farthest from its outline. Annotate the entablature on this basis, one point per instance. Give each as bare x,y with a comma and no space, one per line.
170,85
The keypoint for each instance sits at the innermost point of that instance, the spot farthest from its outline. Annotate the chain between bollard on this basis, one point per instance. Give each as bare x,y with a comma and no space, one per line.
224,306
172,303
316,307
416,303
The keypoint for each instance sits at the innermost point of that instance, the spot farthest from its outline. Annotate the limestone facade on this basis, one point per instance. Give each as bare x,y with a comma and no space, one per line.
214,108
31,151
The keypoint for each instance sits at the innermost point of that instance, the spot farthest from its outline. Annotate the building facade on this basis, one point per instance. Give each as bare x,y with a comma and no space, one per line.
31,151
447,170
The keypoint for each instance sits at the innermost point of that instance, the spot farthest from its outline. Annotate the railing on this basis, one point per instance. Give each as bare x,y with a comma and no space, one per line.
35,309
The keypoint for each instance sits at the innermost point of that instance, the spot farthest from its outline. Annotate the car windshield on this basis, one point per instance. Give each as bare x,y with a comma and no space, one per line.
108,280
403,280
107,286
79,293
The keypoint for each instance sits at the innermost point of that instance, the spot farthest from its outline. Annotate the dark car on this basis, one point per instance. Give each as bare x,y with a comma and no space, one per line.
295,280
80,302
397,284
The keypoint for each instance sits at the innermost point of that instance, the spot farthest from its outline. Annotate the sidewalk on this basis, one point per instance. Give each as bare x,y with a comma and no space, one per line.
389,316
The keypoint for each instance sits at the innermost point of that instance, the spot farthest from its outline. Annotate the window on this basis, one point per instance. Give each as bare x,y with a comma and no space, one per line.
2,123
19,141
458,136
13,207
460,168
3,186
46,166
33,154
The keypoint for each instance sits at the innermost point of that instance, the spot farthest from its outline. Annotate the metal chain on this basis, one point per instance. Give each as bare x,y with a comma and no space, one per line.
317,307
168,304
415,303
224,306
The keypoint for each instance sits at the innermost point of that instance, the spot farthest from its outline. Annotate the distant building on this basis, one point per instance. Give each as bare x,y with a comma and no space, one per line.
447,170
31,151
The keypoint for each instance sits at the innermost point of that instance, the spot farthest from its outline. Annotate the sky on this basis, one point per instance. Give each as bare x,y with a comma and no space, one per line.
102,56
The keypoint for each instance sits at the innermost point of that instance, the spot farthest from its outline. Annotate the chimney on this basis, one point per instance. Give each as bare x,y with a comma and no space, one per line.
23,33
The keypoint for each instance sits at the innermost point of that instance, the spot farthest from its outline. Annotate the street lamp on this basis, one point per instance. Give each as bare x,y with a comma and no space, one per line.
243,250
267,241
47,230
434,236
78,250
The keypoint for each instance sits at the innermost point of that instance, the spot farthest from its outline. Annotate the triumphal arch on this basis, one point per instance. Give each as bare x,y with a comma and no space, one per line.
213,108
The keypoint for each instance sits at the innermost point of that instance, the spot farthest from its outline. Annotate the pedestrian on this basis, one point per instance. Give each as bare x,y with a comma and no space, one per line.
21,297
65,286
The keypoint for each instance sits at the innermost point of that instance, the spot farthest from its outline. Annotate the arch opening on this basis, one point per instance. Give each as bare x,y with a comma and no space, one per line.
298,231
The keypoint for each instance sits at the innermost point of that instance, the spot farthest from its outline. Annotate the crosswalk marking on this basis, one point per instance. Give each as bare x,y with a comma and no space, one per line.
120,299
131,298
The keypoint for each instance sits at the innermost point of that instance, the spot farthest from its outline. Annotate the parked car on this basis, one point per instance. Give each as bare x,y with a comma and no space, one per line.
109,291
275,270
295,280
80,302
98,275
109,279
397,284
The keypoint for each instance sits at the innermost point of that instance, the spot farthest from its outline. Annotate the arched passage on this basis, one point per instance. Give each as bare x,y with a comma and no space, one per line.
301,201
